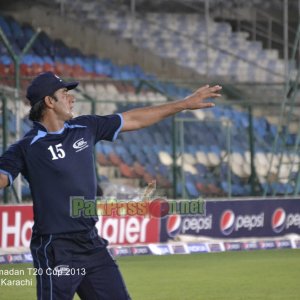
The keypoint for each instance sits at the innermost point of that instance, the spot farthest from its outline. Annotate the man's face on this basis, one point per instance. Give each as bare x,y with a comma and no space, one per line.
63,107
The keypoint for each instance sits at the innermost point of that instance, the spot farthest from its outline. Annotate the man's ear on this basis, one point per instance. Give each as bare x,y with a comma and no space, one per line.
49,101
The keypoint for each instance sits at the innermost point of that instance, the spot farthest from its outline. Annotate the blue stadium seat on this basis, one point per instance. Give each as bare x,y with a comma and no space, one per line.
191,190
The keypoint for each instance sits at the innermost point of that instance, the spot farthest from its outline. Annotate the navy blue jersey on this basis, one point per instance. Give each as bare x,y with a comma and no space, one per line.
59,165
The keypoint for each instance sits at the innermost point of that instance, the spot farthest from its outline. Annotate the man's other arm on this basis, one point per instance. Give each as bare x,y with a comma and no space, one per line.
146,116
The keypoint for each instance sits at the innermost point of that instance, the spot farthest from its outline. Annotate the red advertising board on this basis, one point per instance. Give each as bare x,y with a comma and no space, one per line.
16,222
128,230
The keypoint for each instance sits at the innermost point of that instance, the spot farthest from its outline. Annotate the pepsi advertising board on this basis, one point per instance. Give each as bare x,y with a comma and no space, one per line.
236,219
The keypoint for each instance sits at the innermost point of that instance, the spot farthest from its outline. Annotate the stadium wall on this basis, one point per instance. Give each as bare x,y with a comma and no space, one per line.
223,220
225,226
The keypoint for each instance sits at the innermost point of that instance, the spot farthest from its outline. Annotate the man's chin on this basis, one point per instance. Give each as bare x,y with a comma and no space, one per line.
69,116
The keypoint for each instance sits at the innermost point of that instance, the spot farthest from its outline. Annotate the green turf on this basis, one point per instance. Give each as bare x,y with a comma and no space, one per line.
265,275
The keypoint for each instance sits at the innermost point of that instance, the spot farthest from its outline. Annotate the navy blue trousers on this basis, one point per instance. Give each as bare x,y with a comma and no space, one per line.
65,264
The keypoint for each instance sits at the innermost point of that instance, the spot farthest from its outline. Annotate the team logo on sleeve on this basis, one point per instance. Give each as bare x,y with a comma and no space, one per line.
80,144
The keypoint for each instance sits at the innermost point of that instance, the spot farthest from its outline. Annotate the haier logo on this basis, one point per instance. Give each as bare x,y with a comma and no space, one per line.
229,222
80,144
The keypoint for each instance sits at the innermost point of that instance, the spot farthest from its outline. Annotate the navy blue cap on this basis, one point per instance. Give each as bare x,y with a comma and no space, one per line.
46,84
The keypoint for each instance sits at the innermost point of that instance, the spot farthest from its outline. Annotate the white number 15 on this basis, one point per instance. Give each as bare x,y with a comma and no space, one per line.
58,152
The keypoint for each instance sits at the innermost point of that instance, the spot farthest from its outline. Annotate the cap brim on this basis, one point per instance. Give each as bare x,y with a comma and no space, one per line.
71,85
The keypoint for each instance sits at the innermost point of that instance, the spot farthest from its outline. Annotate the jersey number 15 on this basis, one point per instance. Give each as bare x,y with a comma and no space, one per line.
57,152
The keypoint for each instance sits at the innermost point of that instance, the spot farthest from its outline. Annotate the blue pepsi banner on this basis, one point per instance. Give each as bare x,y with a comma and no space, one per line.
236,219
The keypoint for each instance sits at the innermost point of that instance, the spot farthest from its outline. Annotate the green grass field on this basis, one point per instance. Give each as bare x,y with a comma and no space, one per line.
259,275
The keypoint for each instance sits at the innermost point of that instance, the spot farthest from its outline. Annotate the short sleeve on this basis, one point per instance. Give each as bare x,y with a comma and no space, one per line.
103,127
12,162
108,127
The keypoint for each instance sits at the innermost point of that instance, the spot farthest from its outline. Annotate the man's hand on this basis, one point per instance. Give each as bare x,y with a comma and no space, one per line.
195,100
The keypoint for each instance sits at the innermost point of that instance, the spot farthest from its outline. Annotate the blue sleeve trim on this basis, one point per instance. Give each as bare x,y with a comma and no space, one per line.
73,126
9,176
120,127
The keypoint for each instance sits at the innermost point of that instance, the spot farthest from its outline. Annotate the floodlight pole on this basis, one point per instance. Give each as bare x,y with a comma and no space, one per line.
17,61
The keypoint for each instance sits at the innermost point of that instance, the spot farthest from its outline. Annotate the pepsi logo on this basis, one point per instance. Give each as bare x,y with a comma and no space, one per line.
173,225
278,220
227,222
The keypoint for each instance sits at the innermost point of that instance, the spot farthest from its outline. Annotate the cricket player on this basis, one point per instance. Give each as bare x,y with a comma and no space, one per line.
57,158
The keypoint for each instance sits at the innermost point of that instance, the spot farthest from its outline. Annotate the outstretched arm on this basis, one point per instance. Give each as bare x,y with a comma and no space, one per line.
3,181
146,116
